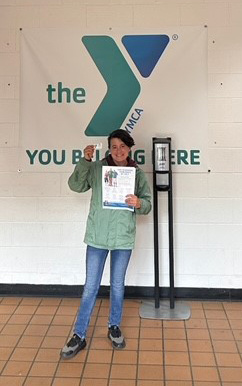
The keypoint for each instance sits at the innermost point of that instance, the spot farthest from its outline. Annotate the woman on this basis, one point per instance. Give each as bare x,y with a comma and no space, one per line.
107,230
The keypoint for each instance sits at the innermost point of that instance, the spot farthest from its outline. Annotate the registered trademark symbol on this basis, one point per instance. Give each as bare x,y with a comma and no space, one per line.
175,37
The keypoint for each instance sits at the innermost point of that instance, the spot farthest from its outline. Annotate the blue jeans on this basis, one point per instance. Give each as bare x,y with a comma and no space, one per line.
95,262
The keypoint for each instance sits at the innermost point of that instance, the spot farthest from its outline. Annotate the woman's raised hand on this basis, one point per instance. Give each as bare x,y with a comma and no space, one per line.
89,152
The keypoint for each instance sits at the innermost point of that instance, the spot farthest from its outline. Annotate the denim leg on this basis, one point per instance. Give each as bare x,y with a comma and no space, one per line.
95,261
119,262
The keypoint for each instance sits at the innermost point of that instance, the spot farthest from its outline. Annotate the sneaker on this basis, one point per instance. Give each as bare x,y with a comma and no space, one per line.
116,337
74,345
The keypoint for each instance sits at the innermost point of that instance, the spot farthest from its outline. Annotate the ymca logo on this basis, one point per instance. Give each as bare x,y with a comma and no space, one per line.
123,88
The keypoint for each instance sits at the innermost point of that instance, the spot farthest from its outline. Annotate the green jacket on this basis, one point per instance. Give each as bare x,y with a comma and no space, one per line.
108,228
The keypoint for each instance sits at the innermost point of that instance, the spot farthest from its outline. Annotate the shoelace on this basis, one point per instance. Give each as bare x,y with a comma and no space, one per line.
115,331
74,340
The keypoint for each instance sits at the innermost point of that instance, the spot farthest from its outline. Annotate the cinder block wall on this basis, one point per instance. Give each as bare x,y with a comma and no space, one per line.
42,223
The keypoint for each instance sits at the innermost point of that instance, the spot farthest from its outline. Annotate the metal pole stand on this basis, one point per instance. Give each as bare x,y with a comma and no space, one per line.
162,181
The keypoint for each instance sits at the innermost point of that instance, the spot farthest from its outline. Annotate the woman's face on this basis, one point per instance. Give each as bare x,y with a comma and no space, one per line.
119,151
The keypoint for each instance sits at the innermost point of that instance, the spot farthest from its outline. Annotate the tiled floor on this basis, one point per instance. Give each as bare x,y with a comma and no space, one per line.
203,351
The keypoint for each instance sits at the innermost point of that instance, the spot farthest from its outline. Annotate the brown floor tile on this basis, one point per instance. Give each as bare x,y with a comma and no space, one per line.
150,383
221,334
230,374
13,329
25,310
151,344
36,330
225,346
151,323
96,370
99,332
129,311
48,355
2,364
101,321
67,310
46,310
124,357
94,381
175,345
202,359
195,305
207,383
43,369
70,302
20,319
148,333
236,324
7,309
4,318
59,331
122,382
175,373
130,332
130,321
196,323
199,333
100,344
208,374
174,333
218,324
228,360
5,353
16,368
66,382
213,306
38,381
24,354
41,319
99,356
235,315
150,372
31,301
197,314
50,302
234,306
11,381
68,369
123,371
104,311
179,383
132,344
60,320
11,300
8,340
134,303
173,324
237,335
150,358
176,358
213,314
30,341
53,342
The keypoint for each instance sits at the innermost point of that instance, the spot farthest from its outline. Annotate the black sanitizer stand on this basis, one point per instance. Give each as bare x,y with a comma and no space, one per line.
162,182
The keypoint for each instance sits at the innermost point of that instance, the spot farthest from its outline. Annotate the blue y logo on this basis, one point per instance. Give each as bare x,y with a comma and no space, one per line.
122,86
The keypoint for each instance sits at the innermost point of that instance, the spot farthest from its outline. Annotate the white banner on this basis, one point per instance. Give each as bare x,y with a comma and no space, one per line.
78,86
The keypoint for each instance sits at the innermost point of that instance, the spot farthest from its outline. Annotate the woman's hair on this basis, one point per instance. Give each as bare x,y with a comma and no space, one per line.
123,135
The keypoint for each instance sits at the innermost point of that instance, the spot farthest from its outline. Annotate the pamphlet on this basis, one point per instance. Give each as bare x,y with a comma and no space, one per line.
117,183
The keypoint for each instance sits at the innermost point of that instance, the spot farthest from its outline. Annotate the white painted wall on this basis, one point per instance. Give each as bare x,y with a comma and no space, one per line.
42,223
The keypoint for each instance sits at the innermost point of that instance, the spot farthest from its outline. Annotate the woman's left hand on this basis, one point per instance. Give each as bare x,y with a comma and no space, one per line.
133,200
